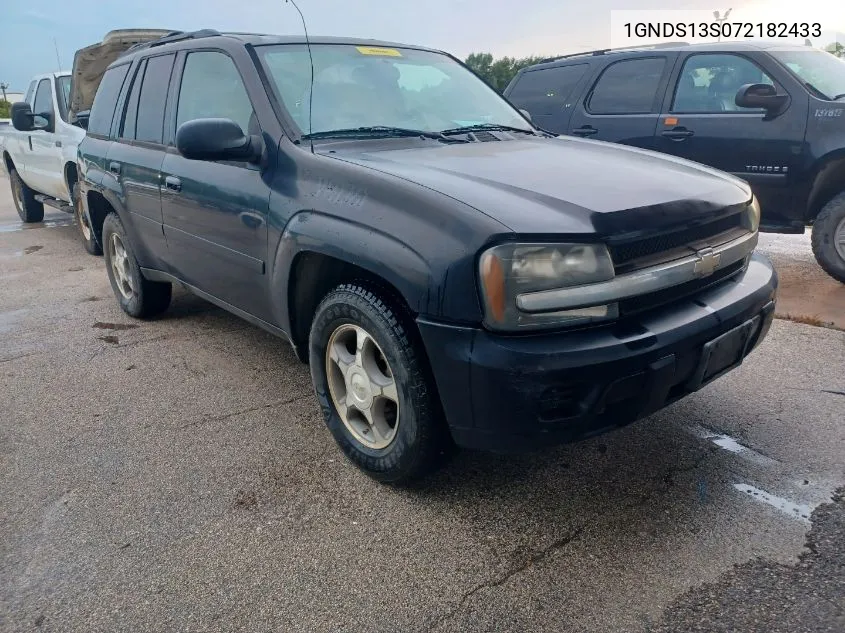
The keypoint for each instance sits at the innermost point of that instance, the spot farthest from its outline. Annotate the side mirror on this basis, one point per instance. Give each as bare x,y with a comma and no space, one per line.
763,96
526,114
22,117
217,139
81,119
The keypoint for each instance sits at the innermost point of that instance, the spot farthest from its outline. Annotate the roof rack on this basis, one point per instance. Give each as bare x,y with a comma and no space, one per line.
625,49
174,36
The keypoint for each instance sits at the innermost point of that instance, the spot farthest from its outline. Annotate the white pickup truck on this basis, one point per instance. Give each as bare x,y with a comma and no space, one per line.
39,148
41,160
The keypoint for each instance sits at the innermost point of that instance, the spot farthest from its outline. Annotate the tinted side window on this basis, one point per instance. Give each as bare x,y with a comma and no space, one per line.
153,96
212,88
545,91
130,118
43,98
709,83
102,112
627,87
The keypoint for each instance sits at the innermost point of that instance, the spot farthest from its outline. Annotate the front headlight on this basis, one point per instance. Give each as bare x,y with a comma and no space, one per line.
509,270
751,217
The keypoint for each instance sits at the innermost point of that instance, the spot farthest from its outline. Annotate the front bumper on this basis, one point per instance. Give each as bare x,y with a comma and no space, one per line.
516,393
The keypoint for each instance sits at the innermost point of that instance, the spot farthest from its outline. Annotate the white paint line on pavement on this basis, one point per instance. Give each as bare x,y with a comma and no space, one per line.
797,511
731,444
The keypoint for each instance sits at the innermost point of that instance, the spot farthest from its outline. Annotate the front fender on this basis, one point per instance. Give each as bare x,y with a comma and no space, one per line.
368,248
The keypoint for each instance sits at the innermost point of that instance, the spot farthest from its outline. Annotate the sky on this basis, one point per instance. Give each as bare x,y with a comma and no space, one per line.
31,32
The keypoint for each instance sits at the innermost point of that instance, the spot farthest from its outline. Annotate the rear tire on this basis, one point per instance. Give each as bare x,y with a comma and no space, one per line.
829,237
137,296
392,429
83,223
29,209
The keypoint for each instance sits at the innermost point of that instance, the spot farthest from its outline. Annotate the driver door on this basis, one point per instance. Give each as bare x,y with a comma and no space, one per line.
700,121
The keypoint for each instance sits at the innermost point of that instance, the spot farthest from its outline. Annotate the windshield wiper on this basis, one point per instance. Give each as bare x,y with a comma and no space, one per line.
838,97
486,127
380,131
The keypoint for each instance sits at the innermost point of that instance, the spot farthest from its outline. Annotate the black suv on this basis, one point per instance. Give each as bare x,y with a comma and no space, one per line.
450,272
773,115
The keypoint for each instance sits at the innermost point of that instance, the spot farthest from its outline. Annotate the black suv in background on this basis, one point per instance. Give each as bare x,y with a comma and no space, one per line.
773,115
450,272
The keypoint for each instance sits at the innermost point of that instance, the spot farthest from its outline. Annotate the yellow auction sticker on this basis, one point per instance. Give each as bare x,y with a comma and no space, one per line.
376,50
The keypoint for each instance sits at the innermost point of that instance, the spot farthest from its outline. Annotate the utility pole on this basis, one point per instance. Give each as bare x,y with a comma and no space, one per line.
721,20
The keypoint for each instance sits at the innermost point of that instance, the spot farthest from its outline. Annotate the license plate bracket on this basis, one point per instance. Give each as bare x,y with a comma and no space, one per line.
723,353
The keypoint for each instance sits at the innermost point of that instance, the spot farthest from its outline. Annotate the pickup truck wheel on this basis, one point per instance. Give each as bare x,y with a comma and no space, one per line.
84,224
370,382
138,297
29,209
829,238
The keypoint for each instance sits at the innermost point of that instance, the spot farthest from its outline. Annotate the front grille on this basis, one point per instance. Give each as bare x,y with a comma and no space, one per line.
645,302
625,254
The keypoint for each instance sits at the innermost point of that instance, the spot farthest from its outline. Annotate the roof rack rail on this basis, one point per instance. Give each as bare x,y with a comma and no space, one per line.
624,49
175,36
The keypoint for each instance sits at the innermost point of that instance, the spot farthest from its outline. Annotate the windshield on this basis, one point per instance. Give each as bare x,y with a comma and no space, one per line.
823,71
366,86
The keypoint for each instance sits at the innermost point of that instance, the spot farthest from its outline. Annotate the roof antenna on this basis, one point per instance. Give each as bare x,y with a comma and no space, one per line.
311,58
58,59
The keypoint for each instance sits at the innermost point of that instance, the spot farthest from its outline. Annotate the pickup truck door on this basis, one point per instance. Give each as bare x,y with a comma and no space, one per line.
621,102
215,212
700,121
44,168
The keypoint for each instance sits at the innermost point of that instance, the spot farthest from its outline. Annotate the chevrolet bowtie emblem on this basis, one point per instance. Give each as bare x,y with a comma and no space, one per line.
707,262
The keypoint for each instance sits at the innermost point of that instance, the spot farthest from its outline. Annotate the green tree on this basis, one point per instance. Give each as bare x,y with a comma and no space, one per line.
836,48
498,72
5,109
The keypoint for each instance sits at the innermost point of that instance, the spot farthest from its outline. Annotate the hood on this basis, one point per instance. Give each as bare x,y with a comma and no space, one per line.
563,185
90,63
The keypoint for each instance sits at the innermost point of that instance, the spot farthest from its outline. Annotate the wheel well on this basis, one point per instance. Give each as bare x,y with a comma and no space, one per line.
829,181
98,209
312,277
71,178
7,162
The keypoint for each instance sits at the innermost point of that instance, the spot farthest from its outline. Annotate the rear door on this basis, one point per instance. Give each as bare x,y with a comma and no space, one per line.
44,161
135,157
622,104
215,212
545,93
701,121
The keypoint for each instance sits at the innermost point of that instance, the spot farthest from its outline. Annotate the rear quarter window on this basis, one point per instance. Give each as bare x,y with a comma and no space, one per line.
105,101
545,91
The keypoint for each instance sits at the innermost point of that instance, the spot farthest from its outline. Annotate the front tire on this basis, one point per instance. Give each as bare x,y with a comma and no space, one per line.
83,223
29,209
137,296
829,238
373,388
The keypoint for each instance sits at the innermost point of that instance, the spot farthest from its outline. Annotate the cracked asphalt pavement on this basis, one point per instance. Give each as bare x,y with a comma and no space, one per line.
175,475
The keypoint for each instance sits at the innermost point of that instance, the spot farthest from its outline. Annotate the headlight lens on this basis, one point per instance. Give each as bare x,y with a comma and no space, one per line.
751,219
509,270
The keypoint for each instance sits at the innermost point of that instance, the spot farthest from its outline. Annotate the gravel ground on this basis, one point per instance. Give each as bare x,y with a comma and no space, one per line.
174,475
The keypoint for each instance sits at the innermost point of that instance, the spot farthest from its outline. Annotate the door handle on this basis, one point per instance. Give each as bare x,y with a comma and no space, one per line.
30,143
586,130
173,183
114,168
677,134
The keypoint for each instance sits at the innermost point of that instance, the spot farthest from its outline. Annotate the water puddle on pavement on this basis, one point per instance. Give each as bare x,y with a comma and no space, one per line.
47,224
8,320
